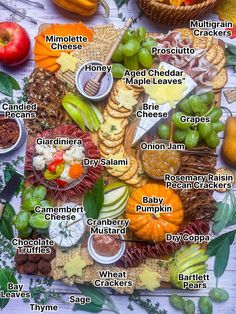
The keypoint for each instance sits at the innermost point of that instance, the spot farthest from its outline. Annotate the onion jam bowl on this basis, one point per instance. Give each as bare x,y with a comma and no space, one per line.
12,134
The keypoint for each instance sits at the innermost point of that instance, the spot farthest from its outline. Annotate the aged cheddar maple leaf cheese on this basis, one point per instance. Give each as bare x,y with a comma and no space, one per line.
165,93
150,279
67,62
75,267
126,99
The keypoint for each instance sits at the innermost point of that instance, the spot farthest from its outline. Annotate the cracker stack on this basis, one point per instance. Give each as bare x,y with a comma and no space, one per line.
104,37
91,271
133,173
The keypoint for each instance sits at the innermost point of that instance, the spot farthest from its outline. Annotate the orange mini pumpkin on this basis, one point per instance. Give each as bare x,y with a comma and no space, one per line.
149,225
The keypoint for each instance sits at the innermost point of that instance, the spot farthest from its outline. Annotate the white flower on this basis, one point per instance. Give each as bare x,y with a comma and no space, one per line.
39,162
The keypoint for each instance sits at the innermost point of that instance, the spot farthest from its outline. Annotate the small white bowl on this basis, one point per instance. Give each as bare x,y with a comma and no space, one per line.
83,77
105,259
21,138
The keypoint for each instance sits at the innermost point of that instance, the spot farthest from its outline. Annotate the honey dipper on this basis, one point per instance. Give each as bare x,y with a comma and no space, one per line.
92,86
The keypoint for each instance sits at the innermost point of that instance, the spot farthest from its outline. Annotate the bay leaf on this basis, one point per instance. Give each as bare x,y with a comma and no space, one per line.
6,276
89,307
6,228
120,3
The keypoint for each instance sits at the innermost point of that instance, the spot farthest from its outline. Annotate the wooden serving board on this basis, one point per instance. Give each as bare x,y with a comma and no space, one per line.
130,132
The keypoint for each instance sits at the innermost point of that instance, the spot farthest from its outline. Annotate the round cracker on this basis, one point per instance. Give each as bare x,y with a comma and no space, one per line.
209,42
109,150
220,65
219,55
186,34
143,182
110,143
114,106
137,178
131,172
135,88
111,136
120,84
199,42
220,79
122,169
211,53
116,114
106,117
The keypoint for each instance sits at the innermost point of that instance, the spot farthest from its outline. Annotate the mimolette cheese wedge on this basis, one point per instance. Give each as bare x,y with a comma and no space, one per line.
45,56
46,63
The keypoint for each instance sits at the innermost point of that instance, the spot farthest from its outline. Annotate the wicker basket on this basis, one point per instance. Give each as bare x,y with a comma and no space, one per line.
169,14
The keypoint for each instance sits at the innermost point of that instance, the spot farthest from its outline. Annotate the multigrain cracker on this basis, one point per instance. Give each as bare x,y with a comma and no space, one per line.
219,56
220,65
220,80
211,53
186,34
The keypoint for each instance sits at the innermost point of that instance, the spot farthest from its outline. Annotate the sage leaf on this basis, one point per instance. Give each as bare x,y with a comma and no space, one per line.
221,259
89,307
5,85
231,48
93,200
231,60
99,298
94,293
120,3
215,244
6,276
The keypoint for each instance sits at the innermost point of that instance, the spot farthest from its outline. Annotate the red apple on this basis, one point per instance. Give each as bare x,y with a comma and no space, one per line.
14,43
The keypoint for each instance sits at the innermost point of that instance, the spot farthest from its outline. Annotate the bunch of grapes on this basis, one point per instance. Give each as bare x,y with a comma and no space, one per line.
133,53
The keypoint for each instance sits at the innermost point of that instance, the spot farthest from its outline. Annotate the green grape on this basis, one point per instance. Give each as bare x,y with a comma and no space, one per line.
45,203
25,233
215,114
141,33
118,54
129,34
205,129
218,126
27,193
38,221
22,220
196,103
191,139
213,140
145,58
132,63
30,204
179,135
185,106
149,43
131,47
204,110
207,98
163,130
117,70
179,124
40,192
